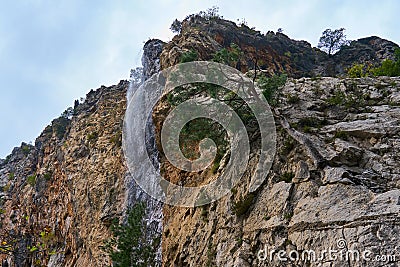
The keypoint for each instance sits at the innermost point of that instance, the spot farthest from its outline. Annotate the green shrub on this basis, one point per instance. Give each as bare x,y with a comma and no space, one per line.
176,26
389,67
242,206
11,176
215,167
189,56
355,99
356,71
270,86
228,56
204,213
306,129
47,176
25,149
31,180
288,215
339,98
288,146
127,246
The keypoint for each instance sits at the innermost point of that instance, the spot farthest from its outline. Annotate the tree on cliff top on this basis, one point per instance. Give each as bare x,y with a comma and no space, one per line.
332,41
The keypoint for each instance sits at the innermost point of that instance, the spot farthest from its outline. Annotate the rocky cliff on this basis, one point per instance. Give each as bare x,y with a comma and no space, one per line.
334,183
335,176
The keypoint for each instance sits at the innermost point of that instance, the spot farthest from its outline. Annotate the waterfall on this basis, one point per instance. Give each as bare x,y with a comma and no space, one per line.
154,216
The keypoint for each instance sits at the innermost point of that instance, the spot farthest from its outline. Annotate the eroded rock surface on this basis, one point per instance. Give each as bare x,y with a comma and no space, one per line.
351,193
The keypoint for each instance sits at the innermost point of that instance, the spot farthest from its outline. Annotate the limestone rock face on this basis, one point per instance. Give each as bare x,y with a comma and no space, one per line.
338,142
69,185
348,197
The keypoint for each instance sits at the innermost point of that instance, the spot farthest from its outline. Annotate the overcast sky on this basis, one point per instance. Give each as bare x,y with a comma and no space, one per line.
54,51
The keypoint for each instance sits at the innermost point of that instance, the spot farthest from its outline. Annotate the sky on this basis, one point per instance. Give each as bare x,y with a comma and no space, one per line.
53,52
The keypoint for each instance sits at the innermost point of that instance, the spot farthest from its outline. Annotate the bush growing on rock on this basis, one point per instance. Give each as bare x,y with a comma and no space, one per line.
270,86
189,56
128,247
389,67
31,180
356,71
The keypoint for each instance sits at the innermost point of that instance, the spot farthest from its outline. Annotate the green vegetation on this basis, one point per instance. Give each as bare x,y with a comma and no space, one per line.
239,241
288,216
31,180
338,99
316,78
388,67
243,205
25,149
270,87
196,130
355,99
305,124
215,166
286,177
209,15
47,176
127,246
11,176
189,56
356,71
60,126
288,146
204,212
229,56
